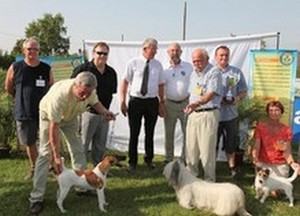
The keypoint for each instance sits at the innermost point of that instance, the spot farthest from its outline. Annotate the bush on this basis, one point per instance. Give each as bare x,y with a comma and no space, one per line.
7,122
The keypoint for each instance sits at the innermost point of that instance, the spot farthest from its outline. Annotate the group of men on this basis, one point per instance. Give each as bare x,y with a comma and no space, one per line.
201,96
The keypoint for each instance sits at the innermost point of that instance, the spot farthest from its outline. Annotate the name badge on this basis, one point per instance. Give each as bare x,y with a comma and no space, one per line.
40,83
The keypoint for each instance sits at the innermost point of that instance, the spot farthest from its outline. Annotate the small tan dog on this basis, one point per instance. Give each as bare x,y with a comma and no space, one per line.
87,179
264,184
191,192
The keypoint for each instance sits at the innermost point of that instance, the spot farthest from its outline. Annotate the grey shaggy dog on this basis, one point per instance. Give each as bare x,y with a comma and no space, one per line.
220,198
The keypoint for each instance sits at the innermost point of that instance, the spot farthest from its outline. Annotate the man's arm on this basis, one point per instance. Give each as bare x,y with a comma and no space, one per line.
55,143
9,81
103,111
123,92
51,78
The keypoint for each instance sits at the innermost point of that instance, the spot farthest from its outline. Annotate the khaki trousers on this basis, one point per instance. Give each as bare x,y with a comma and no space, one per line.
174,112
75,148
202,128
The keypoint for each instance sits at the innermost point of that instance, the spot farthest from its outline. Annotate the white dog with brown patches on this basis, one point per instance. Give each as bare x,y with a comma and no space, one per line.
265,183
87,179
191,192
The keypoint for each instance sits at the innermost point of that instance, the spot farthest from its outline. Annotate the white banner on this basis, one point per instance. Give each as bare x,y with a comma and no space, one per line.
122,52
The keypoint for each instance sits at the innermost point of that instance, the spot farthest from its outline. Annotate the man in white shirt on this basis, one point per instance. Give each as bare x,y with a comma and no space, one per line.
146,101
177,76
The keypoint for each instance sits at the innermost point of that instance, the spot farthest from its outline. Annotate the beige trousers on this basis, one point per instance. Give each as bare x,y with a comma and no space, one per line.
202,128
75,147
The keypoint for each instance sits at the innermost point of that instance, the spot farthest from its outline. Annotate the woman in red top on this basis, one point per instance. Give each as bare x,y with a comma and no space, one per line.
273,143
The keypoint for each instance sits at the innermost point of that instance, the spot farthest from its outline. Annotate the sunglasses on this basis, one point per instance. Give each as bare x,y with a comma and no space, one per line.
102,53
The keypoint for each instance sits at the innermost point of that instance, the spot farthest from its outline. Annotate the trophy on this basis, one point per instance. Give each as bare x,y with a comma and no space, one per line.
232,81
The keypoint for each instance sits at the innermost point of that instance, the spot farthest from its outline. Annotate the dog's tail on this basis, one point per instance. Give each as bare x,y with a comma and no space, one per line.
294,176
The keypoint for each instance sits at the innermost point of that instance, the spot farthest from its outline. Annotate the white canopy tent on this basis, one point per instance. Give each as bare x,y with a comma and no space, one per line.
122,52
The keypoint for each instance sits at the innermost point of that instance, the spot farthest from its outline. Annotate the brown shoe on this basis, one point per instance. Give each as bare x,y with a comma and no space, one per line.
36,207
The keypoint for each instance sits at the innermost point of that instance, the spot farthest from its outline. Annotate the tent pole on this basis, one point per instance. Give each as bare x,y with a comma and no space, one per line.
277,40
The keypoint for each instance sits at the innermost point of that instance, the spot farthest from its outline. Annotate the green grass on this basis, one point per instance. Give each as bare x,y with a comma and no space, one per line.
142,193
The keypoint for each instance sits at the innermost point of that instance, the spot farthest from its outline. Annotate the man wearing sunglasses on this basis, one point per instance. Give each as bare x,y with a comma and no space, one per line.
94,127
28,81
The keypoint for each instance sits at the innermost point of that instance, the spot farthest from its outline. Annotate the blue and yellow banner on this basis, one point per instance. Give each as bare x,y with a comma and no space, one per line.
273,75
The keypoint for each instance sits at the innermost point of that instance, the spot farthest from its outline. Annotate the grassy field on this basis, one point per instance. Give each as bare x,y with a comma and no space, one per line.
142,193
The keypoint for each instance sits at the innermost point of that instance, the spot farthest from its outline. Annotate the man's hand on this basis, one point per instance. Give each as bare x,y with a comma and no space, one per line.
124,108
109,116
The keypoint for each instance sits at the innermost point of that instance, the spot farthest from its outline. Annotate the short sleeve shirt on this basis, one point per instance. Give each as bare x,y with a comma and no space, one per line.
268,152
209,80
61,105
134,75
230,111
177,81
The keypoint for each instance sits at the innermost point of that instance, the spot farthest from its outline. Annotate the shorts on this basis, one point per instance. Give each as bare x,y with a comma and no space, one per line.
27,132
230,132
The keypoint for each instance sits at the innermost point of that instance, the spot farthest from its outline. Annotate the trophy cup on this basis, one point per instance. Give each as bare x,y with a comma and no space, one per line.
232,81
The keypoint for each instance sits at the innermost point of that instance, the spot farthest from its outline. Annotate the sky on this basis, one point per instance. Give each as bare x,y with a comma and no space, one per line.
135,20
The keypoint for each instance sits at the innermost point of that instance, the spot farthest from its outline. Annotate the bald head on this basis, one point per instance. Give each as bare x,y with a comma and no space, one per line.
174,51
200,59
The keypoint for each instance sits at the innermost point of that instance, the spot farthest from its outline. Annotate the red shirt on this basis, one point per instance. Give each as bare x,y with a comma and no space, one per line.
269,153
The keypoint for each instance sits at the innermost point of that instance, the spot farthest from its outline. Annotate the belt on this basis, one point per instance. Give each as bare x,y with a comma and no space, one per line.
205,109
174,101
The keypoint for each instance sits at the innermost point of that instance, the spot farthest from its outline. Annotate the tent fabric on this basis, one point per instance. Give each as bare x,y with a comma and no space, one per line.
122,52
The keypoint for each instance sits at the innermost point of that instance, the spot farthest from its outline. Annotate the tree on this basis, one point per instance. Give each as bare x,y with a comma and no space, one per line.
51,34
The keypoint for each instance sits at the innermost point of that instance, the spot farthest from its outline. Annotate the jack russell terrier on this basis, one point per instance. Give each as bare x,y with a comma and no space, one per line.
87,179
264,184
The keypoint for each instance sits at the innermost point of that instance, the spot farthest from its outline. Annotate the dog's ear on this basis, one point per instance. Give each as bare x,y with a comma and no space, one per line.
257,169
174,178
268,171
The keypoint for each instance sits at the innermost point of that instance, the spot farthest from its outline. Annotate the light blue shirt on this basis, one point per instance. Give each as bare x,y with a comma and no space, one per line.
230,111
209,80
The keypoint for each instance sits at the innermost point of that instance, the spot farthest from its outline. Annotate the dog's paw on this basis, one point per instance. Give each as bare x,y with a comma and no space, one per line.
256,197
106,203
291,205
103,210
262,201
101,207
63,211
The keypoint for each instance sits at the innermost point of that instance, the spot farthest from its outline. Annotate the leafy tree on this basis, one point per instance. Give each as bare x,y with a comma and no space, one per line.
6,60
51,34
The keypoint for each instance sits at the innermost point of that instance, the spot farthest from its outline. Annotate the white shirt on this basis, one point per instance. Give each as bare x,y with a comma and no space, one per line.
134,76
177,81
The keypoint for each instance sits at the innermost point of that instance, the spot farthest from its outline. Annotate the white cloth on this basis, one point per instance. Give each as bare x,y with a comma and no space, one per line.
177,80
122,52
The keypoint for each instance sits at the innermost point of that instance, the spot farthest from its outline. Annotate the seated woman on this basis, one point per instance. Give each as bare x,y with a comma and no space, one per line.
272,147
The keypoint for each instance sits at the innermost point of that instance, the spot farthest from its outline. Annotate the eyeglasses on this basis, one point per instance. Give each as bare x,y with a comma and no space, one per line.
102,53
32,49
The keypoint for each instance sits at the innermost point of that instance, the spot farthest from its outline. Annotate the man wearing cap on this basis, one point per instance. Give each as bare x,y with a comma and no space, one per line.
145,76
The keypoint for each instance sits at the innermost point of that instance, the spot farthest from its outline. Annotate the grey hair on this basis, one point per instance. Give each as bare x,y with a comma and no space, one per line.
31,40
202,51
150,42
87,79
174,44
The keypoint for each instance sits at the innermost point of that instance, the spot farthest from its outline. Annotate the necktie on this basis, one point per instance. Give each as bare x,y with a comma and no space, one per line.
144,87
